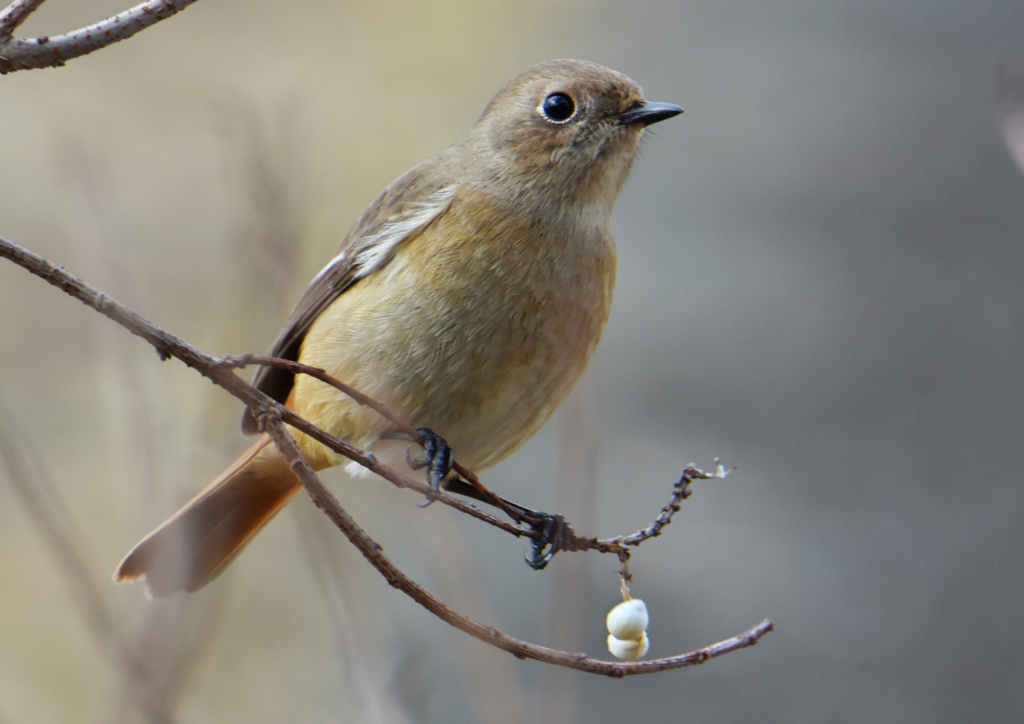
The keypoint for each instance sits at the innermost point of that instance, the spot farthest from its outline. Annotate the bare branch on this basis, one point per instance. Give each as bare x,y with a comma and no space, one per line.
680,492
52,52
620,544
15,14
373,553
220,372
167,346
273,415
378,407
571,542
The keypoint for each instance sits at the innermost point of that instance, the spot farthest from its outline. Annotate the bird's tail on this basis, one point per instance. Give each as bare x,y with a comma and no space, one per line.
199,541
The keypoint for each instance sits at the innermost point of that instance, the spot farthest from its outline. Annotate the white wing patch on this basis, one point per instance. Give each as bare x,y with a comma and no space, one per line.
372,251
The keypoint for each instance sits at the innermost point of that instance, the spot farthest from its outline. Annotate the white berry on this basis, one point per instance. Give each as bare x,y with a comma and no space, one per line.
630,649
628,620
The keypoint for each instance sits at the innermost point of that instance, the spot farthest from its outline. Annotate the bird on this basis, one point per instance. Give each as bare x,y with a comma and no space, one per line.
469,299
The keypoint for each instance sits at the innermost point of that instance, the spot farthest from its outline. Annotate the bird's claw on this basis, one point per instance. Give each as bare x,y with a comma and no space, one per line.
552,529
437,459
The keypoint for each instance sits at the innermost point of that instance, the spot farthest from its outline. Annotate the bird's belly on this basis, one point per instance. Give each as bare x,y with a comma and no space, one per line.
480,352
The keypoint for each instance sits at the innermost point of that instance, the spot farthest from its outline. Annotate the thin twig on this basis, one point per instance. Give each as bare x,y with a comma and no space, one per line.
572,542
619,544
244,360
372,551
54,51
167,346
222,374
371,463
380,408
15,14
274,414
680,492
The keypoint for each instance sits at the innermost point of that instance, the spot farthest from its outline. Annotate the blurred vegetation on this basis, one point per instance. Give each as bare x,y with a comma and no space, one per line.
820,282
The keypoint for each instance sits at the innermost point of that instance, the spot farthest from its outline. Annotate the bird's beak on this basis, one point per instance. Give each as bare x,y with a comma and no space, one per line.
648,113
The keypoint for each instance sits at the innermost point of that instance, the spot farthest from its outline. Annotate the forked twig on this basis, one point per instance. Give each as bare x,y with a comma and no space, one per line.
572,541
47,51
381,409
16,13
273,414
273,426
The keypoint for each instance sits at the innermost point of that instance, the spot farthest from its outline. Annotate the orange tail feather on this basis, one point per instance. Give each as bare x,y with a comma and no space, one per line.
198,542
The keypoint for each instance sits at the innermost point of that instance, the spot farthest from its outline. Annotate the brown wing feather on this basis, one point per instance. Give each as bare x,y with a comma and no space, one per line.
403,211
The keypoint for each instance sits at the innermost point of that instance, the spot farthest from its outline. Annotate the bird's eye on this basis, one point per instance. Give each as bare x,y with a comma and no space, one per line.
558,108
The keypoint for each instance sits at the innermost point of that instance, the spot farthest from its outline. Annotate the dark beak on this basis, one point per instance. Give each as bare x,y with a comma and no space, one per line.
648,113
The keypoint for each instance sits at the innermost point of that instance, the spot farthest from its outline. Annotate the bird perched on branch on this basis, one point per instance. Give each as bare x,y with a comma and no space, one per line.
468,298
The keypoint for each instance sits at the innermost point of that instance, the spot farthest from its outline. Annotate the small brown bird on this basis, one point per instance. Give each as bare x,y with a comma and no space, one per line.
468,298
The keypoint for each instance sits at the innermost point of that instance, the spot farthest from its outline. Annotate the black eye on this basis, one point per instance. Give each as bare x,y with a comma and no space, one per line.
558,107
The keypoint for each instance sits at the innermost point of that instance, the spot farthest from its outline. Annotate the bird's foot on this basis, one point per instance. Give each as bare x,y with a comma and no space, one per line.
553,531
437,459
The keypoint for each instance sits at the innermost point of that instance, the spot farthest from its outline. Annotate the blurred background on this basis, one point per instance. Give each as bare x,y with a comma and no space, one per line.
821,282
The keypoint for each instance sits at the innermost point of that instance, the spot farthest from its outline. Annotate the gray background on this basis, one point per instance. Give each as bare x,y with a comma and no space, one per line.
820,282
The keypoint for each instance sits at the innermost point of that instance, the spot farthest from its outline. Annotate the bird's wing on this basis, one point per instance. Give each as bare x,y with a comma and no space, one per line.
401,213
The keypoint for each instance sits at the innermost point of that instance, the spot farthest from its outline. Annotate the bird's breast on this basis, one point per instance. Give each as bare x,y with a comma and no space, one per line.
477,328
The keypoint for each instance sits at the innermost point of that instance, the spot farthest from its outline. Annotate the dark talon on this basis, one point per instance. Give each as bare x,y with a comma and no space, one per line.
437,458
552,529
